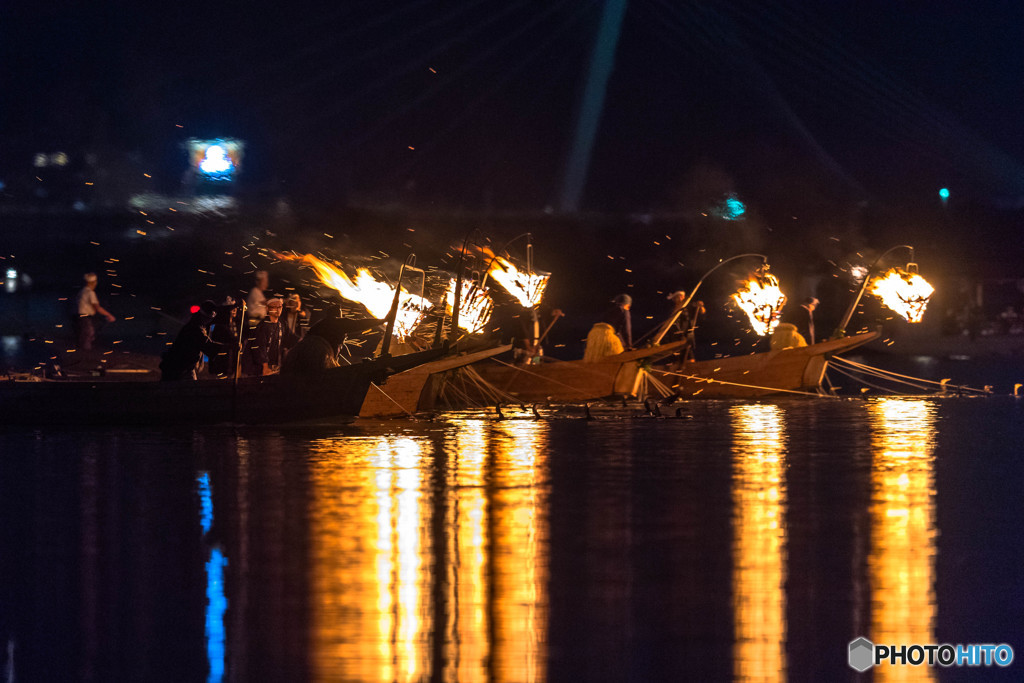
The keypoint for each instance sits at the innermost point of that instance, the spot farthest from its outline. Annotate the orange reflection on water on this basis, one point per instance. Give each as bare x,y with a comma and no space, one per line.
520,554
368,546
429,558
466,633
901,564
759,543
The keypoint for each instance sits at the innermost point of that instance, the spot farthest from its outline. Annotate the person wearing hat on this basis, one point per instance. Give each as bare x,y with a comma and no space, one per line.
224,330
265,350
802,317
618,317
89,313
685,322
294,318
182,359
614,334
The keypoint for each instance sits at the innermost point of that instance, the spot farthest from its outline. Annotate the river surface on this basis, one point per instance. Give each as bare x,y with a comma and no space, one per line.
744,540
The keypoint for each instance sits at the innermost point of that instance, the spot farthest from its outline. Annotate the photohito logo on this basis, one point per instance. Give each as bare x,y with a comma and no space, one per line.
863,654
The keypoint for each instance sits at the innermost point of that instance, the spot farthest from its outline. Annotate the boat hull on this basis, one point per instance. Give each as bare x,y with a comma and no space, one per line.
335,395
416,390
760,374
571,381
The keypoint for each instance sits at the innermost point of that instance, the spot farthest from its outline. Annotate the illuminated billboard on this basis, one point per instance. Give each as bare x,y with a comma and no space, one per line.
218,159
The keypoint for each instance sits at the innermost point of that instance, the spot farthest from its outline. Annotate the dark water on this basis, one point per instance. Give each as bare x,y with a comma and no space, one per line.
750,541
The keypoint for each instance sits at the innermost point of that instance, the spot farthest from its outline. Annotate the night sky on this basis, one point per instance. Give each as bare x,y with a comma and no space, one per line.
850,101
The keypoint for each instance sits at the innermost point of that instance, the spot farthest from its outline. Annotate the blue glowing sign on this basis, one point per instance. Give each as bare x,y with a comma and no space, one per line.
218,159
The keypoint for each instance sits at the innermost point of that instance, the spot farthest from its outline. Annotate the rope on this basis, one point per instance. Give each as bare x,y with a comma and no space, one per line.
879,371
880,374
863,381
392,400
709,380
578,391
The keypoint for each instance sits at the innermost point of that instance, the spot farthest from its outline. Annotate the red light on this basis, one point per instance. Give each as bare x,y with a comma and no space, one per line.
193,309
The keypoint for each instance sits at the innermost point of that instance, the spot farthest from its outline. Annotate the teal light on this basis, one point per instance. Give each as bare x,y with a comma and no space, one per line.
944,193
731,209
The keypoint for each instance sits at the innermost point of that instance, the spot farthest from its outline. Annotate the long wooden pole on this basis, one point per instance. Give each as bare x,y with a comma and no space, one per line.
840,330
667,325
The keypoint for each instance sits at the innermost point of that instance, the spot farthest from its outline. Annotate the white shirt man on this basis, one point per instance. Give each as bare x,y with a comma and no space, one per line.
256,302
88,310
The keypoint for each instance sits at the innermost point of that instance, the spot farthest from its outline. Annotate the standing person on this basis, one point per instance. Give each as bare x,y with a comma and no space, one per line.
225,331
90,313
264,353
256,302
181,360
618,317
294,318
685,322
802,317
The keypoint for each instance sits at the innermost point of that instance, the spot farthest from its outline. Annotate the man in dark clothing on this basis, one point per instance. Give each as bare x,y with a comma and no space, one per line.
685,322
802,317
225,331
318,349
266,349
180,361
618,317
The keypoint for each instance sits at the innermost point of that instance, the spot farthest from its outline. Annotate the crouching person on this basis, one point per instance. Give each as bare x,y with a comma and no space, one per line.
318,350
181,360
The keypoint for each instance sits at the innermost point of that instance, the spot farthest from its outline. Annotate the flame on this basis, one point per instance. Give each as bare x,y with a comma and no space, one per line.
762,301
527,288
375,295
907,293
476,307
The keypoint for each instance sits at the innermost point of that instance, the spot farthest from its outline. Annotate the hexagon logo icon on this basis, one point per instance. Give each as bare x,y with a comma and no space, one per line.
862,654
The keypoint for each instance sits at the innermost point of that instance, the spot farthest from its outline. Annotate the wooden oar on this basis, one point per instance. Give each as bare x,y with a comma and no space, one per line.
555,315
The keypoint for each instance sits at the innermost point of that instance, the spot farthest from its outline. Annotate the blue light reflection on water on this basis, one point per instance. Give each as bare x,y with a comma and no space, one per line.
216,600
750,536
217,605
205,503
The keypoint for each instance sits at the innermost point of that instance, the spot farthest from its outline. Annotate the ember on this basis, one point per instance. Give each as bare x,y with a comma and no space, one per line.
905,292
762,301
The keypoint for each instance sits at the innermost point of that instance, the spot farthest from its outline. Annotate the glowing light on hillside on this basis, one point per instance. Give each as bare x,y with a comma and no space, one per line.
730,209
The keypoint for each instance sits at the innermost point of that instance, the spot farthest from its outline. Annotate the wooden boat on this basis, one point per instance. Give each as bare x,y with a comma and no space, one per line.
334,395
416,390
798,369
569,381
